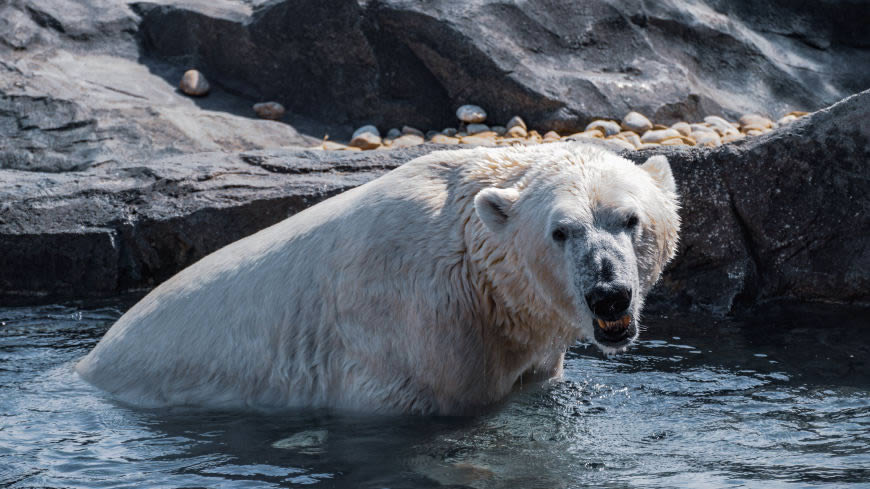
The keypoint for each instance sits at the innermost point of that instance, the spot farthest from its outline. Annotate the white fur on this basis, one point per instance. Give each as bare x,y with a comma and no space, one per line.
396,296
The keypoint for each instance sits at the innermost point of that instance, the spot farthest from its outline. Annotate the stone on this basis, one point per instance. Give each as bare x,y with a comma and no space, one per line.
516,132
673,142
659,135
755,120
707,139
630,137
719,124
366,137
411,130
499,130
332,145
701,128
472,129
407,140
754,132
194,83
535,136
683,128
430,134
443,139
592,133
637,122
623,144
732,136
471,114
516,121
269,110
482,139
450,131
754,128
551,136
648,146
609,128
393,133
787,119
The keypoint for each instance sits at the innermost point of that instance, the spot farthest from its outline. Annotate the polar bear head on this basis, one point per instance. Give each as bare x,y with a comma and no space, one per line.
588,234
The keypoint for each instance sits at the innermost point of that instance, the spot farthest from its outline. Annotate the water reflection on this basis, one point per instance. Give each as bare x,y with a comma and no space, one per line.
776,402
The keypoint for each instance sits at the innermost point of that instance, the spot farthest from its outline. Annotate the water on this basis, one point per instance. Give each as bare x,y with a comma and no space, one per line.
759,403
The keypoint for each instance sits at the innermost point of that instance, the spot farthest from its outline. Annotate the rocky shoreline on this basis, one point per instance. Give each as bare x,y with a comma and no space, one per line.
778,216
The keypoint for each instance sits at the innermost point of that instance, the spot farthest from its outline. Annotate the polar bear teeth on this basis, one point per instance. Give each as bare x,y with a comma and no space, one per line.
621,322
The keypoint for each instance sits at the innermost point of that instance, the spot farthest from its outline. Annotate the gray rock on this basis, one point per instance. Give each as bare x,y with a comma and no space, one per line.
269,110
516,121
498,130
367,129
411,130
634,121
476,128
471,114
450,131
393,133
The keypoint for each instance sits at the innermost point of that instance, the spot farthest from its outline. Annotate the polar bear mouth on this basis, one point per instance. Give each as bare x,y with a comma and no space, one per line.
614,334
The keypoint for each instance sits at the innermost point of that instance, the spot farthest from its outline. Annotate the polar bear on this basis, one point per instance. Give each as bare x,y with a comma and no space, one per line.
432,289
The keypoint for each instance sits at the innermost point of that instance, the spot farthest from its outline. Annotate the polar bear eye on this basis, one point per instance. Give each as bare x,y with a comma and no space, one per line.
559,235
631,221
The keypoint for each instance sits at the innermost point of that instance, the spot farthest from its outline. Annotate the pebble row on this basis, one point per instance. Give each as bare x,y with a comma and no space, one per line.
634,131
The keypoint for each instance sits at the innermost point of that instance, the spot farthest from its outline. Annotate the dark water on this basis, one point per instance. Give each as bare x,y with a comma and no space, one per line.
759,403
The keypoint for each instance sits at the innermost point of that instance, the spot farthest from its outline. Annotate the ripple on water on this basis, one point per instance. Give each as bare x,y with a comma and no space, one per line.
714,407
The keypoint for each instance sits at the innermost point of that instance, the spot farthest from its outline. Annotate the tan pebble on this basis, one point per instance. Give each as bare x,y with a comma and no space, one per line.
620,142
688,140
630,137
634,121
697,127
648,146
659,127
683,128
755,120
479,140
512,141
753,127
407,140
332,145
733,136
609,128
707,138
269,110
551,136
516,121
194,83
516,132
786,120
592,133
721,125
754,132
442,139
472,129
798,113
366,140
659,135
672,142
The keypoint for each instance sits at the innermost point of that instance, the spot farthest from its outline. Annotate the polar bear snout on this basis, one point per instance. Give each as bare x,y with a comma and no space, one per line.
610,302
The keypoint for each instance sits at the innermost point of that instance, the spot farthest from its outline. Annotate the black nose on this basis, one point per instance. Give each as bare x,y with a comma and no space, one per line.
609,303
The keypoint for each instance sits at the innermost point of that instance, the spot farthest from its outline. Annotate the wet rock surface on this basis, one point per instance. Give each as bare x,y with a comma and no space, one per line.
781,215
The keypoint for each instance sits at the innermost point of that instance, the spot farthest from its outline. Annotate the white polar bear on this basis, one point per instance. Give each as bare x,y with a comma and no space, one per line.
432,289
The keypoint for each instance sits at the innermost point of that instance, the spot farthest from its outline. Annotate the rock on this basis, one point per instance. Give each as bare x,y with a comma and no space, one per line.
753,128
471,114
499,130
732,136
481,139
592,133
630,137
709,139
609,128
701,128
517,132
431,134
673,142
623,144
407,140
659,135
442,139
683,128
755,120
269,110
332,145
719,124
636,122
393,133
411,130
516,121
450,131
648,146
366,137
476,128
788,119
551,136
194,83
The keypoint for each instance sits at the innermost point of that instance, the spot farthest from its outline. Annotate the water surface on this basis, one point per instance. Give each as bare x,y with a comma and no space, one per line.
698,403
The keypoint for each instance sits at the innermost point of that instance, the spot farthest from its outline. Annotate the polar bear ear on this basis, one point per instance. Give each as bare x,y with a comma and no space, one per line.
660,170
493,206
